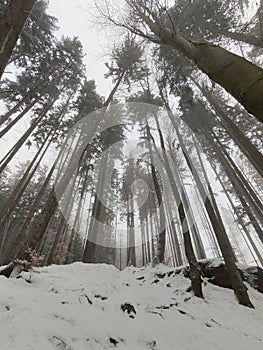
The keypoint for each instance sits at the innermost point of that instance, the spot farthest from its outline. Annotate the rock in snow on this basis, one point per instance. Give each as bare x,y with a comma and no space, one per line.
85,306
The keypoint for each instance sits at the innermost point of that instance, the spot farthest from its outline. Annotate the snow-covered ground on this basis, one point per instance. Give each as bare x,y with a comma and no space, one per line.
82,307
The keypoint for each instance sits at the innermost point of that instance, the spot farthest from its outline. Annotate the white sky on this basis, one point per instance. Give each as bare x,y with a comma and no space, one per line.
73,20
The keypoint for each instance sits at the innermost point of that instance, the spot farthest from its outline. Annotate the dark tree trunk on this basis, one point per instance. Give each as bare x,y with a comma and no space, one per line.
11,26
159,257
195,274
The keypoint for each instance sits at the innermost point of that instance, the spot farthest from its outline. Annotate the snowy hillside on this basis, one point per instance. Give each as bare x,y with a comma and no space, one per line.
81,306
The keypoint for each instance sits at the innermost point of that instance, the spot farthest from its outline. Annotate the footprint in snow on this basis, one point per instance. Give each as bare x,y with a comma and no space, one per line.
59,343
4,307
83,298
97,296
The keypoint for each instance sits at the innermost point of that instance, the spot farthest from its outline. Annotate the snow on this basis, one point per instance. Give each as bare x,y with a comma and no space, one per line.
3,267
78,306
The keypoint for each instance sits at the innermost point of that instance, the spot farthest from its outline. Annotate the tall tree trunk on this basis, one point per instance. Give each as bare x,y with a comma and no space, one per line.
19,117
75,226
15,109
11,26
225,246
131,256
90,246
195,274
148,246
159,257
90,250
240,220
26,178
175,240
9,156
51,256
243,187
37,200
214,215
194,228
251,152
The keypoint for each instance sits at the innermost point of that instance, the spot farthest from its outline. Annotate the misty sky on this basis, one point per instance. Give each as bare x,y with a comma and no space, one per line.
73,20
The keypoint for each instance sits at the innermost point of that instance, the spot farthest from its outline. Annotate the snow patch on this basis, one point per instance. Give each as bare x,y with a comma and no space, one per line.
86,306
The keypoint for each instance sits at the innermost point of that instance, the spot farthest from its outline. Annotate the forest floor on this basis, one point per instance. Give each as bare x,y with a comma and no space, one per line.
85,306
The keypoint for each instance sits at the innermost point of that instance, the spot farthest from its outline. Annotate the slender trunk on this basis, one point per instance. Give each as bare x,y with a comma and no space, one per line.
195,274
178,254
131,257
20,116
194,228
114,90
13,110
219,229
52,252
223,241
90,246
23,183
246,207
74,229
144,254
148,248
251,152
21,235
37,200
90,250
159,257
172,233
245,38
240,221
150,223
5,161
243,187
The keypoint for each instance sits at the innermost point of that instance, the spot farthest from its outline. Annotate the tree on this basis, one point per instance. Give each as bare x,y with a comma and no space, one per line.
36,37
214,215
41,223
242,79
128,178
11,25
126,66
